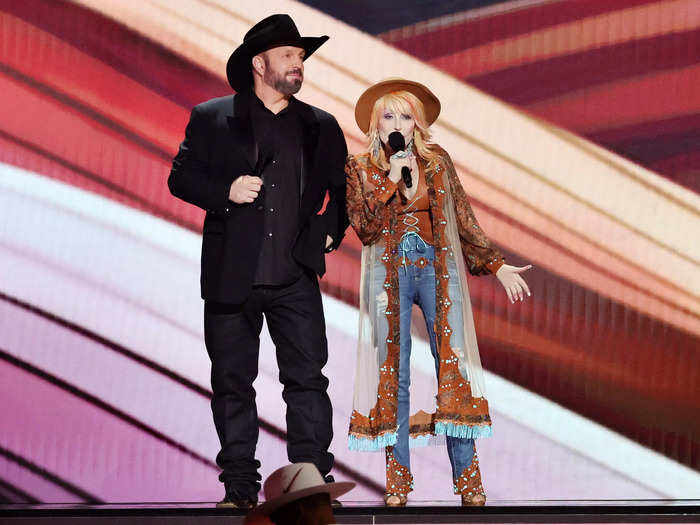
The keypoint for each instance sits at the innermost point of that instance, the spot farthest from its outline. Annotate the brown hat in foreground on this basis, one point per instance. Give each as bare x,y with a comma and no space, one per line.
363,108
293,482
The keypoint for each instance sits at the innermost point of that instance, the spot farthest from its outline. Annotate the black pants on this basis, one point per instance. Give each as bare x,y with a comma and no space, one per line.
294,315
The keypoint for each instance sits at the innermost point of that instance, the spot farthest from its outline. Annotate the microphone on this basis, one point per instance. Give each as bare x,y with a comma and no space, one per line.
398,145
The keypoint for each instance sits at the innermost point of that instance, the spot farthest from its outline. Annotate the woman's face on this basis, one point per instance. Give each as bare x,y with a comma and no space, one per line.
391,120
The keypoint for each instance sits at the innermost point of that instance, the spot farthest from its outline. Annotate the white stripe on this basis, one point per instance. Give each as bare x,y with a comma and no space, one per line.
103,211
543,416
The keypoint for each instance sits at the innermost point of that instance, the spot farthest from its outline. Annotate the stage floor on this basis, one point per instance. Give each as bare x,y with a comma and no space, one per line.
425,512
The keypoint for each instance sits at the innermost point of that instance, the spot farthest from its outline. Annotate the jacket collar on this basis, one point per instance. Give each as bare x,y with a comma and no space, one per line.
241,127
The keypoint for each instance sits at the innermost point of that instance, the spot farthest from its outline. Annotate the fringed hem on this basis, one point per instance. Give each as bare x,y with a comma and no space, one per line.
442,429
425,440
372,444
463,431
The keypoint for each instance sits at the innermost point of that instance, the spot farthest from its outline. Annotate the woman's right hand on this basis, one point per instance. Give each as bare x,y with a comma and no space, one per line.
396,165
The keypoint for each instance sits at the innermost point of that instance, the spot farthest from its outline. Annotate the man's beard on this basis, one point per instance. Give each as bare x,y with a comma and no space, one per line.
280,82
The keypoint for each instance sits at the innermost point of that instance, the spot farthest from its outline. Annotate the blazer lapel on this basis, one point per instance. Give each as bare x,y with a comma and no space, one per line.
241,127
309,151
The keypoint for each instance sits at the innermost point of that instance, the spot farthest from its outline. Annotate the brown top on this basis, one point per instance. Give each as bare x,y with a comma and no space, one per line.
414,214
370,204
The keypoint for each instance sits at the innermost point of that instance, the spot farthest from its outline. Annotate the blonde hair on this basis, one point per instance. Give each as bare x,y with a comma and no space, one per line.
399,102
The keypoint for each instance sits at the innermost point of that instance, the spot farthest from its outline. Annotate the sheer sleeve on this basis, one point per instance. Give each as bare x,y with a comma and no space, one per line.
480,255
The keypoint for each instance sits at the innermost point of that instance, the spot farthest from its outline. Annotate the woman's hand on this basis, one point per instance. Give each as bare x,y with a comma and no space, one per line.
396,164
515,286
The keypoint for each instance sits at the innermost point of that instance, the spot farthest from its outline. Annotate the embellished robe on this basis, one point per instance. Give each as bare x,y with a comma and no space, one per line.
451,402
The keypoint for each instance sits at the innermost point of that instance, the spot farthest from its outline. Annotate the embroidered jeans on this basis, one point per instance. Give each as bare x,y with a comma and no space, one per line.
417,285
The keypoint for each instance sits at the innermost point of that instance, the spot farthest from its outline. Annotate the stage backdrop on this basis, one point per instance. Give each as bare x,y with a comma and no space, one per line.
574,129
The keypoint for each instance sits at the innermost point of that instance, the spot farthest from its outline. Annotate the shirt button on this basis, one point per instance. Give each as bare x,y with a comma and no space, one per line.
274,162
273,185
269,234
272,209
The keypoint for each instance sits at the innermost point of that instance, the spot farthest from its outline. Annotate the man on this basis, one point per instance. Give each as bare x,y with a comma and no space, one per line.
260,163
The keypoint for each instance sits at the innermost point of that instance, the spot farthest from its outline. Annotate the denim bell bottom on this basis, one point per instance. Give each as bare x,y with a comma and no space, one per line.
417,286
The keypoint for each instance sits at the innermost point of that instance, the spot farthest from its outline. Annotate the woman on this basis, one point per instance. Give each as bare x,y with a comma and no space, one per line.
417,235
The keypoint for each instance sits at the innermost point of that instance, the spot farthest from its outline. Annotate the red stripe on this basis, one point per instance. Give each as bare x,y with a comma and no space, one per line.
455,38
686,125
88,147
653,422
685,168
625,102
656,146
54,67
125,50
559,75
670,147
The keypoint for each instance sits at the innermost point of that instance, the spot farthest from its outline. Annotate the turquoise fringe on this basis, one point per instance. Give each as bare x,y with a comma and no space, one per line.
463,431
419,442
446,429
372,445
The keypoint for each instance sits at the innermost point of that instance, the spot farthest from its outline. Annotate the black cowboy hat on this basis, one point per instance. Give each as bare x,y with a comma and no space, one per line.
273,31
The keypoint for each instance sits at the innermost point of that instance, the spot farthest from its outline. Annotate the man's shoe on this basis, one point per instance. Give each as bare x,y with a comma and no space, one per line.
330,479
234,500
231,503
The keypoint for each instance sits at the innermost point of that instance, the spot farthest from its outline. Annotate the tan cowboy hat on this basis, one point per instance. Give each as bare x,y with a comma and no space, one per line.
294,482
363,108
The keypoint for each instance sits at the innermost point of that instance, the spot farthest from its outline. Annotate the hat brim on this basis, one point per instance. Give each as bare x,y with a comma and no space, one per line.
238,67
365,104
335,490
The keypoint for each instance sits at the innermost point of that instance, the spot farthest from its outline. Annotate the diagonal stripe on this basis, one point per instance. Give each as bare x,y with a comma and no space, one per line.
18,495
589,33
93,400
451,34
135,199
121,48
88,112
625,102
266,426
549,78
101,340
50,476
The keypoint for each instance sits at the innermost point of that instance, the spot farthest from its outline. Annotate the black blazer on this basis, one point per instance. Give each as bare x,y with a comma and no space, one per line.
219,147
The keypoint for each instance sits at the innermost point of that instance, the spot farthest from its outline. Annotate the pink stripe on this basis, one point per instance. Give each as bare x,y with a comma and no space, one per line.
92,449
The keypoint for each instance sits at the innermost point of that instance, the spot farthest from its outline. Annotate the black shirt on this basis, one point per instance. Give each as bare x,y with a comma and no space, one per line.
280,137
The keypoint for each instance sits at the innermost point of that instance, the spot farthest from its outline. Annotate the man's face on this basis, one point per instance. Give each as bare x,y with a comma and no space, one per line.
284,68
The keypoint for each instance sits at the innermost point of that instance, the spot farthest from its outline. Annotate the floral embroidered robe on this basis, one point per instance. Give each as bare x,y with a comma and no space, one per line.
453,403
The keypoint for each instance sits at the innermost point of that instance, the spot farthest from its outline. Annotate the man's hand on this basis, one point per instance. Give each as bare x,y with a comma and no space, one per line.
245,189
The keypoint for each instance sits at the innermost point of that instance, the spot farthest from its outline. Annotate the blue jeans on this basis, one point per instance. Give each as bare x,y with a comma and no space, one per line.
417,285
